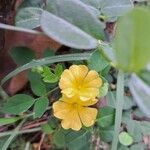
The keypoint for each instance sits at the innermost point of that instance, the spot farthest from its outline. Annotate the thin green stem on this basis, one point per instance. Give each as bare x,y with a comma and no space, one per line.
27,115
51,91
32,114
48,93
3,94
12,136
119,107
47,61
14,28
20,132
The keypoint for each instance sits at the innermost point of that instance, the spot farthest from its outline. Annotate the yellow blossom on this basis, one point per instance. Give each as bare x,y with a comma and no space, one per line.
79,81
73,112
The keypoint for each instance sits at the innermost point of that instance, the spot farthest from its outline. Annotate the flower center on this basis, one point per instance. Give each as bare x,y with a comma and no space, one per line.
75,105
79,86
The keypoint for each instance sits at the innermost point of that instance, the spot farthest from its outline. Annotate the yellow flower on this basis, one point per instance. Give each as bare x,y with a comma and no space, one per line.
79,81
73,112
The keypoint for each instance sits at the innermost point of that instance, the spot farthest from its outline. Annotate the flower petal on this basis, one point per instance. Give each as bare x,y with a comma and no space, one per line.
96,83
88,102
70,100
79,72
77,100
61,109
88,93
87,115
66,79
91,76
78,82
69,92
72,120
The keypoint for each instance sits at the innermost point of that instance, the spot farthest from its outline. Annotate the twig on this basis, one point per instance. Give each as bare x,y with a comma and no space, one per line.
34,124
41,141
3,128
27,146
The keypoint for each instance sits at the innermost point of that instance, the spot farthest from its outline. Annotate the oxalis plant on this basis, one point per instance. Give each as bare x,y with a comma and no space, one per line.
66,90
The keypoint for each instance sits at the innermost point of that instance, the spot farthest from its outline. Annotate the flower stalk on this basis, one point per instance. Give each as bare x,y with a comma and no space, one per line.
119,107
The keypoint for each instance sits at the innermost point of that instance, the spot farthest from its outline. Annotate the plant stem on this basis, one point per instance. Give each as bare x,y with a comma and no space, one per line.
48,93
14,28
20,132
3,94
27,115
119,107
27,147
46,61
51,91
12,136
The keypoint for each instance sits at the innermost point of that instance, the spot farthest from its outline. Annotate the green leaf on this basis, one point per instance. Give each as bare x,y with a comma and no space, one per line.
46,128
53,122
5,121
126,116
134,129
115,8
105,117
59,138
111,101
92,3
107,51
111,9
128,103
37,86
97,62
18,104
48,76
38,69
77,14
77,140
125,139
58,70
104,88
29,3
106,134
48,60
40,106
69,34
145,76
3,140
141,93
122,147
28,17
145,127
132,46
139,146
22,55
138,113
105,72
48,53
